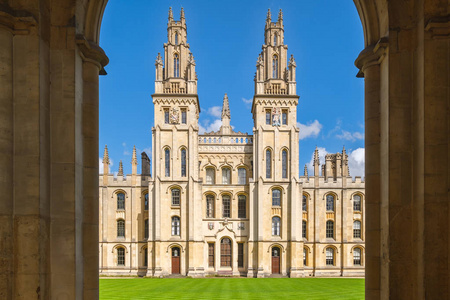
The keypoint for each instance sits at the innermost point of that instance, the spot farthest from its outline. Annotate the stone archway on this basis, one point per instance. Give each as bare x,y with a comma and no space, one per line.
50,62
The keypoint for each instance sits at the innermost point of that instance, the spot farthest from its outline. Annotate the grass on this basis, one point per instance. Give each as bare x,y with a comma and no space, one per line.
232,288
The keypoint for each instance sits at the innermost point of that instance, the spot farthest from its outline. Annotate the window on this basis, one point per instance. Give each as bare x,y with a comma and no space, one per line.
167,161
305,256
211,255
120,201
268,163
268,117
225,252
276,197
330,229
276,226
240,255
226,207
210,176
183,162
242,206
357,229
166,116
146,229
176,38
275,39
242,176
210,206
304,203
183,116
176,65
120,256
226,176
357,257
330,203
275,66
330,257
284,163
304,229
145,257
146,201
120,228
357,203
284,117
175,226
175,197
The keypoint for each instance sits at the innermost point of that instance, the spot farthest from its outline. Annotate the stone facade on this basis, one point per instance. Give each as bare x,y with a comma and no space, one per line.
230,203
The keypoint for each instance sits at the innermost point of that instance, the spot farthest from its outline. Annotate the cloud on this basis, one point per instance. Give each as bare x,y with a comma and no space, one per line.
357,162
100,164
247,102
322,153
347,135
309,130
215,111
214,126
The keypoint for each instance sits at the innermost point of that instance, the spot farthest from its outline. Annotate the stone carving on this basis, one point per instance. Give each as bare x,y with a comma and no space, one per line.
276,117
210,225
174,115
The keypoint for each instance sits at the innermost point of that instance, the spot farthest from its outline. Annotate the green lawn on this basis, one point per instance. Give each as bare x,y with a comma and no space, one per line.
232,288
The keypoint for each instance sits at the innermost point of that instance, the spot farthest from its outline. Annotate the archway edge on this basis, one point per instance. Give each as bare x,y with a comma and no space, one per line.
369,13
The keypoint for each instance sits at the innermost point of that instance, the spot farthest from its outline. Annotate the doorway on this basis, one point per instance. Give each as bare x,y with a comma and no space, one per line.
275,260
175,260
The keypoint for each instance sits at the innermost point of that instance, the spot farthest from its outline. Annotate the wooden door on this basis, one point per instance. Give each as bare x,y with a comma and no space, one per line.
175,260
275,260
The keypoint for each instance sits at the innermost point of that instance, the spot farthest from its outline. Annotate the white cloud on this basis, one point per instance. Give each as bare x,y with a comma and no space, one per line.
247,102
214,126
100,165
357,162
215,111
126,152
347,135
309,130
322,153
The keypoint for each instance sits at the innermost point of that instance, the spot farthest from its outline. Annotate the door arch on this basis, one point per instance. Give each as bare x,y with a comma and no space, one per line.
176,260
276,253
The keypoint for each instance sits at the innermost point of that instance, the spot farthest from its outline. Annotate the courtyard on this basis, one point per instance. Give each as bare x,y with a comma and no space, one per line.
232,288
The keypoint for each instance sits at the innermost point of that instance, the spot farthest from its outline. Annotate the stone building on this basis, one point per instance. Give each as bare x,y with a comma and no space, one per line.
226,202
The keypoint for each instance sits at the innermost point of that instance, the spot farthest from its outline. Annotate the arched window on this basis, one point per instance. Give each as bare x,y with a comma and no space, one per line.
146,229
226,211
242,206
176,38
276,221
330,203
120,228
242,176
175,197
357,203
225,252
284,164
268,163
210,176
175,226
357,229
275,39
276,197
167,161
304,202
183,162
305,257
330,257
357,257
210,206
120,201
145,257
120,256
275,66
176,65
304,228
330,229
146,201
226,176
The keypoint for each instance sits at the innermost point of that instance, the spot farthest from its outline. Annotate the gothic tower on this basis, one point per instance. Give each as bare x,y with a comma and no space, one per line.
276,139
175,150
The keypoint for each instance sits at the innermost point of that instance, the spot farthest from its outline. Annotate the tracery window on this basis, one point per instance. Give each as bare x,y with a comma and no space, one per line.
276,222
305,256
268,117
175,197
210,254
176,38
210,176
275,66
357,257
226,211
330,203
120,201
275,39
183,162
284,163
146,229
210,206
357,229
120,256
226,176
146,201
175,226
268,163
304,227
242,176
304,203
330,229
276,197
242,206
225,252
176,65
167,162
356,203
120,228
330,257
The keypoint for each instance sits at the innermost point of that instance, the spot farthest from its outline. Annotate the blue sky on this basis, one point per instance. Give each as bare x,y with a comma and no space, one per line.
225,37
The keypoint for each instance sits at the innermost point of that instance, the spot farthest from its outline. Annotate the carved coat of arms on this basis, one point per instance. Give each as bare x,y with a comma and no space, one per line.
276,116
174,115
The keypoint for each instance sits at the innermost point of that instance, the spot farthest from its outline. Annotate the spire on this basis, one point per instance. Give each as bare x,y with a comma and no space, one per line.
134,157
182,14
226,107
106,156
170,14
120,173
305,171
269,16
280,16
316,156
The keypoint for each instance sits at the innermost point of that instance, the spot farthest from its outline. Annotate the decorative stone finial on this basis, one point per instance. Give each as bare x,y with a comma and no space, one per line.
191,59
170,14
305,172
260,61
226,107
159,60
134,157
120,173
106,156
182,14
269,16
280,15
292,61
316,156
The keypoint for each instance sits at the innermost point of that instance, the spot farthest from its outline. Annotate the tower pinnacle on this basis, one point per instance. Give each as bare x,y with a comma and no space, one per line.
226,116
170,14
120,173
